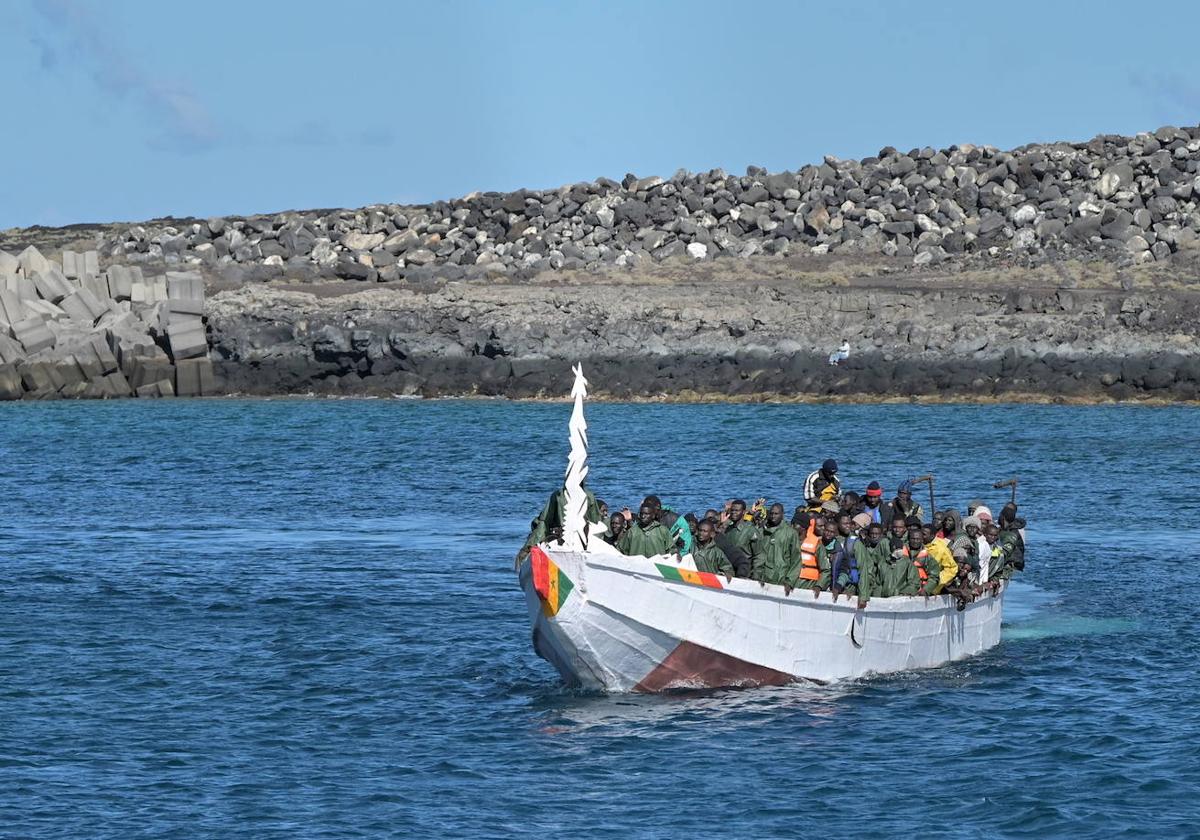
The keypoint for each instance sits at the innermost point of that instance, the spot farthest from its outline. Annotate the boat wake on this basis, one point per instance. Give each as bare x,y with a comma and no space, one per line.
1030,613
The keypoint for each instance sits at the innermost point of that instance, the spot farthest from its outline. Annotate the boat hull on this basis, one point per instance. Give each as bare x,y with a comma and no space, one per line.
613,623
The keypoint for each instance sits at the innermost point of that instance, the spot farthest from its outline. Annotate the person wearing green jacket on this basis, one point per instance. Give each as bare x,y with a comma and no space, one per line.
776,552
884,572
549,523
707,555
647,537
738,536
827,549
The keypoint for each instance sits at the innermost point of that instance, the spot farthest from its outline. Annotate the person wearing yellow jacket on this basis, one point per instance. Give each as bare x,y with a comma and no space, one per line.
939,552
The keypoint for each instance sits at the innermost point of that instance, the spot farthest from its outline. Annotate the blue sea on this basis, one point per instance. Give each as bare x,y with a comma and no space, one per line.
299,619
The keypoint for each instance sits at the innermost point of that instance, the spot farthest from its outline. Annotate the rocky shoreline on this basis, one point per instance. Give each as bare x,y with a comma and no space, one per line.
1053,271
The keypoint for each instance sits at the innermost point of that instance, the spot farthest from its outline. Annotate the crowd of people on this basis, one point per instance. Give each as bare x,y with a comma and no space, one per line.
843,542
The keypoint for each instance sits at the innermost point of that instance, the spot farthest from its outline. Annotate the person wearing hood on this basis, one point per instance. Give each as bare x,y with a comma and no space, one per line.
822,485
884,573
736,536
941,561
962,548
647,537
549,523
983,551
776,552
903,504
1011,542
706,554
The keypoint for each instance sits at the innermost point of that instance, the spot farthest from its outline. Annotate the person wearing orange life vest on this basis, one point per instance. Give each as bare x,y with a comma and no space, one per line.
816,554
927,568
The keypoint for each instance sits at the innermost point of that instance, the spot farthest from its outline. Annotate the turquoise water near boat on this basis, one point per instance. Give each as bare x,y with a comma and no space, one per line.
299,619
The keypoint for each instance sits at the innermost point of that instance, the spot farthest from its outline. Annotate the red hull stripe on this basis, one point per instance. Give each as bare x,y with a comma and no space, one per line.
693,666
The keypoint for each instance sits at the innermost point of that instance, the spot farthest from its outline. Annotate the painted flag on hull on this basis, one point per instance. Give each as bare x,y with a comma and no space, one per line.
549,581
689,576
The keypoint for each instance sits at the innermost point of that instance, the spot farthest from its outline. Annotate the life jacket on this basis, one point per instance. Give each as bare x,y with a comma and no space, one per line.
808,554
919,562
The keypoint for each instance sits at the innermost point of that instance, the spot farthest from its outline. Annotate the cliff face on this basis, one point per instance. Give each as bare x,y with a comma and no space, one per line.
742,336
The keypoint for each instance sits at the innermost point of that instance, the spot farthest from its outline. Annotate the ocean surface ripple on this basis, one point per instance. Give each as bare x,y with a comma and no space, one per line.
299,619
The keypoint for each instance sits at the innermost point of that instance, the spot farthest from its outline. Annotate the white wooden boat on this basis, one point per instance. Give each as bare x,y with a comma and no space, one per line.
615,623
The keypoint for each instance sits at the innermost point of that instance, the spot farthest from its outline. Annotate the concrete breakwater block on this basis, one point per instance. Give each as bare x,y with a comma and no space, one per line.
45,310
194,378
185,285
11,309
11,350
149,292
117,385
8,263
120,280
72,265
21,286
161,388
39,378
33,334
95,305
146,371
96,285
10,383
188,342
75,308
52,285
32,262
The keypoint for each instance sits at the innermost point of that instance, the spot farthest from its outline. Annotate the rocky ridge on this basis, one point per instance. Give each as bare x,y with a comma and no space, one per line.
1129,199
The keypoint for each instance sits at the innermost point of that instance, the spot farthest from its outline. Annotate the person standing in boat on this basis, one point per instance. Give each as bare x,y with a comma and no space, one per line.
817,573
678,526
738,536
549,523
885,571
776,552
822,485
647,537
706,554
616,526
875,507
904,505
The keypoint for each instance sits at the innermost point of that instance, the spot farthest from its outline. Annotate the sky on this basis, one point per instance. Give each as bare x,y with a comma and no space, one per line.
125,110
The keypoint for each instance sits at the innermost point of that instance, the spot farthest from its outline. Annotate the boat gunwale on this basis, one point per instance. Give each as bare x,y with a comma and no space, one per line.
927,605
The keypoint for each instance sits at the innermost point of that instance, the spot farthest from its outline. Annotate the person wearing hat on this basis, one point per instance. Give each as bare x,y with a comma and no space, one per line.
875,507
904,504
983,552
1011,542
984,514
822,485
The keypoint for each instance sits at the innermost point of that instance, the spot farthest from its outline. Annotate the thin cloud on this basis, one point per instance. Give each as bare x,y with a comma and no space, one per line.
77,37
1172,95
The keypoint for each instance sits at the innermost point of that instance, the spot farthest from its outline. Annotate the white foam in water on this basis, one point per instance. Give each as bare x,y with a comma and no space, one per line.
1029,614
